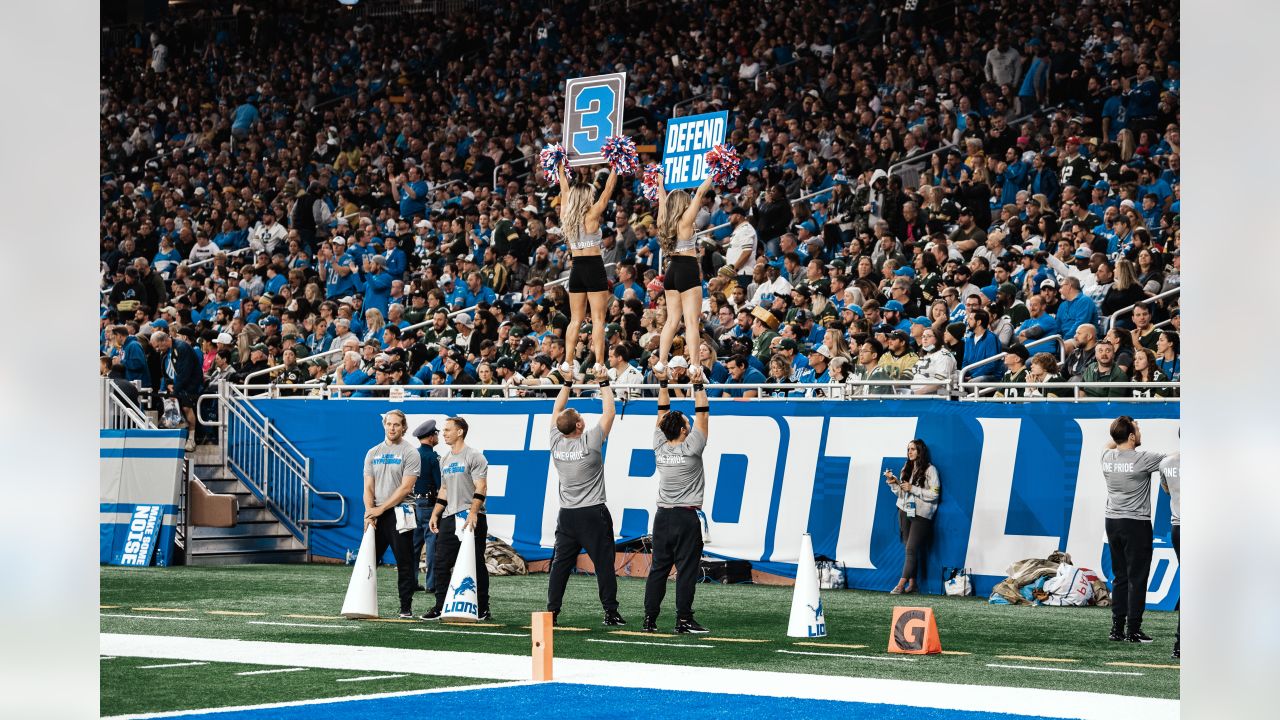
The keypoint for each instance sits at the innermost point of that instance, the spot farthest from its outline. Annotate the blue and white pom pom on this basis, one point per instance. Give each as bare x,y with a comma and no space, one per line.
649,181
723,162
549,159
620,152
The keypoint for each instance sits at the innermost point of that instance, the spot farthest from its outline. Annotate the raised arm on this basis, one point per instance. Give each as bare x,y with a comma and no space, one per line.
562,399
597,210
608,407
662,189
562,173
664,397
691,213
701,406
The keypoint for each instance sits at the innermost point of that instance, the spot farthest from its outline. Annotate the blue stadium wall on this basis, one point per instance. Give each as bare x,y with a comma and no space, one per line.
1018,480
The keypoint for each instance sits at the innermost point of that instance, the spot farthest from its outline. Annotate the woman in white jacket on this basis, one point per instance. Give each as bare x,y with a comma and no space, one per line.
918,494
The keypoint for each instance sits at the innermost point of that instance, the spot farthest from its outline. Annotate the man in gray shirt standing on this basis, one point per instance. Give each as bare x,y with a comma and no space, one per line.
464,474
584,521
390,469
1171,482
677,529
1127,471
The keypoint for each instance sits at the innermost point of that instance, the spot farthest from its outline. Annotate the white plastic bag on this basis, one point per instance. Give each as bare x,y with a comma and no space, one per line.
959,584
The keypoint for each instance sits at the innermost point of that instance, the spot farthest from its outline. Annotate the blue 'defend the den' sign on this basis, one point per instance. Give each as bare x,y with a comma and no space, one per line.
688,140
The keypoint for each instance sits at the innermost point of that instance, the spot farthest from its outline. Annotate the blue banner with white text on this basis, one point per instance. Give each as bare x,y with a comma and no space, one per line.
1018,480
138,495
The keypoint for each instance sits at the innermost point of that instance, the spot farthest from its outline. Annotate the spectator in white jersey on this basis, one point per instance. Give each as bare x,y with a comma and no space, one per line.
677,527
1127,471
390,470
464,474
1171,482
584,522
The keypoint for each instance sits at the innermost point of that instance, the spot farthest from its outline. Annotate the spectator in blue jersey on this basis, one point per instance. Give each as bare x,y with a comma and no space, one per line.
627,281
1075,308
246,116
740,373
397,262
129,354
1040,325
475,291
338,268
819,370
1168,346
979,344
377,284
410,191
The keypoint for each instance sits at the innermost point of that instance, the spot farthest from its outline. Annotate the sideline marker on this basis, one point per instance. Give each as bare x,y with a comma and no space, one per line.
543,646
914,632
461,603
807,617
361,602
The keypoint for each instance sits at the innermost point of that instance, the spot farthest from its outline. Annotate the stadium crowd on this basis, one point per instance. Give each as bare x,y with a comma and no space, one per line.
291,189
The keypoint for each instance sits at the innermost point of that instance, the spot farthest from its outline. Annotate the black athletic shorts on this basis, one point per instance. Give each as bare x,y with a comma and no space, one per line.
682,273
587,274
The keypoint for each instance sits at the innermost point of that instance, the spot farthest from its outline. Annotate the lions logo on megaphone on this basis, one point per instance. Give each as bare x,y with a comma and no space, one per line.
468,583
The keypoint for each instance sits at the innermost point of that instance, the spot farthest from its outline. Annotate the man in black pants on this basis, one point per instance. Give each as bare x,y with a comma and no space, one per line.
677,531
584,520
1128,522
425,491
464,473
390,469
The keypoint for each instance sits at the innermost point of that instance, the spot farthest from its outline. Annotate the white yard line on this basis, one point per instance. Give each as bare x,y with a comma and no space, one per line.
1065,670
317,701
285,624
1012,700
846,655
169,665
467,632
146,617
367,678
271,671
645,642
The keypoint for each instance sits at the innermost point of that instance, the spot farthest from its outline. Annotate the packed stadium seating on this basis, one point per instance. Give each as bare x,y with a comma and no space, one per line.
905,165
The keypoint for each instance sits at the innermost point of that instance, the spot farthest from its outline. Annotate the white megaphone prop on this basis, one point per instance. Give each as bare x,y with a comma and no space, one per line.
461,600
362,592
807,618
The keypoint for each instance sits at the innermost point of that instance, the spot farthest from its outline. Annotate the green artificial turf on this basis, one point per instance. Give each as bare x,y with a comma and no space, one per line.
129,686
757,612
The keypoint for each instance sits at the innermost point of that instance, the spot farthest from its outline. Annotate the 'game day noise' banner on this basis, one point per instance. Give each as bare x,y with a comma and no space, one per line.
138,495
1018,480
688,141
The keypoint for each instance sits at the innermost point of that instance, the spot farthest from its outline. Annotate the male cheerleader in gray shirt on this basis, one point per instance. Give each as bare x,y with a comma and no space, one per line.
584,521
1127,471
464,480
677,530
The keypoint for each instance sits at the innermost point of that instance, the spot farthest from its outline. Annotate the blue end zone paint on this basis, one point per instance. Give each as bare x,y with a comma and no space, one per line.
554,701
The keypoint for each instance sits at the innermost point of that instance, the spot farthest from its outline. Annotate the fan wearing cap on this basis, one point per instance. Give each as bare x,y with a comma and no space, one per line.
584,522
580,215
819,371
425,491
337,267
391,469
1015,369
898,362
682,284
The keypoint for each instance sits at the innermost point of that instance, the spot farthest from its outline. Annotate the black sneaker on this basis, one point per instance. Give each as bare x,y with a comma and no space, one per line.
555,618
613,619
1177,653
690,627
650,624
484,616
432,614
1117,631
406,614
1137,636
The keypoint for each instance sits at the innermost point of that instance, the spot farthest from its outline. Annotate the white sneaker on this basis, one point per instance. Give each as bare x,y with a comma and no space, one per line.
660,367
566,369
191,443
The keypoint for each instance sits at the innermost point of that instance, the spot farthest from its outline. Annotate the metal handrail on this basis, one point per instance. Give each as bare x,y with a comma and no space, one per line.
1111,321
1075,388
1062,355
802,198
512,163
416,326
119,412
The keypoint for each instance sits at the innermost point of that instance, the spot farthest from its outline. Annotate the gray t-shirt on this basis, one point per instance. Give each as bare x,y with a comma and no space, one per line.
681,480
1128,476
458,473
580,465
389,464
1171,472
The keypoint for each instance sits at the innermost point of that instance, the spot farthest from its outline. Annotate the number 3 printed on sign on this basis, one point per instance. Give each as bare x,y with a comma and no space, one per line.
595,104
